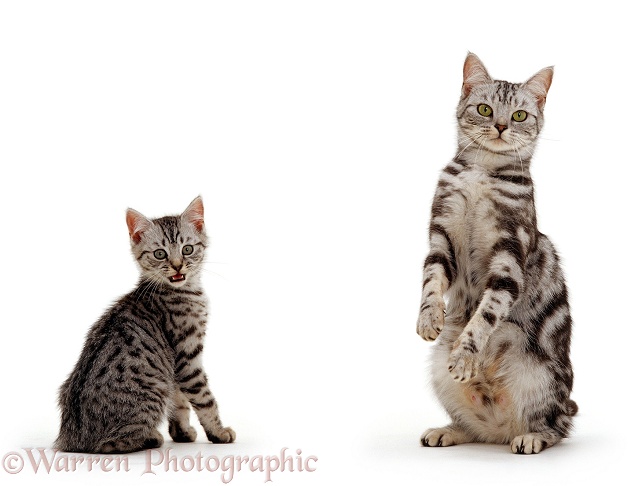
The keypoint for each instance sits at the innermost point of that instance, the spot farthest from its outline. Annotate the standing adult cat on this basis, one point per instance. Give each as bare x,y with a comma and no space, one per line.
142,360
501,365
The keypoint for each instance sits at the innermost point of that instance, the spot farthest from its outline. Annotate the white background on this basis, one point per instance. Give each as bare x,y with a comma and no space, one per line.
315,132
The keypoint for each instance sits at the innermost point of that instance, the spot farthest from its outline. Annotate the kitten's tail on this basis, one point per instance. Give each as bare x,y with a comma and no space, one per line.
572,407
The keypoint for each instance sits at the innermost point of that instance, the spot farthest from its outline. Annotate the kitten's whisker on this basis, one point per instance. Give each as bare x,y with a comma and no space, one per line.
153,282
214,273
201,267
155,287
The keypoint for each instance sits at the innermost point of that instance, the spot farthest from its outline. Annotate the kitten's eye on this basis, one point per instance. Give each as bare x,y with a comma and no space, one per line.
187,250
520,116
160,254
485,110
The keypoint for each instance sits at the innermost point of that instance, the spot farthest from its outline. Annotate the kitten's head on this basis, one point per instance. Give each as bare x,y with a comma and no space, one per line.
169,250
499,116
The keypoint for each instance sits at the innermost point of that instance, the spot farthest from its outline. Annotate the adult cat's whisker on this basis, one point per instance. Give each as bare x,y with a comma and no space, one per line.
524,144
521,162
473,140
480,147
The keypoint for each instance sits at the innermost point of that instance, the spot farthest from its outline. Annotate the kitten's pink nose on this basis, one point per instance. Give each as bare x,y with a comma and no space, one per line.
500,128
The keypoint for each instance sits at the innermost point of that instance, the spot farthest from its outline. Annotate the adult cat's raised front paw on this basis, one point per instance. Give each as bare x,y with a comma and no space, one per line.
463,361
431,319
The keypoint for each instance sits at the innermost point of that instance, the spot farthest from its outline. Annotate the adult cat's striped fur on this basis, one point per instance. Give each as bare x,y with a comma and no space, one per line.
141,361
501,365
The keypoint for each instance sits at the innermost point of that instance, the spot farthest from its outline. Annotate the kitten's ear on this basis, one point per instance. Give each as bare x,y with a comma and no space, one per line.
474,74
137,225
539,85
194,214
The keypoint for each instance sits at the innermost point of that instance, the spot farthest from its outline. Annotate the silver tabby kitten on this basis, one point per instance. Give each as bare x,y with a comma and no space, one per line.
142,360
501,366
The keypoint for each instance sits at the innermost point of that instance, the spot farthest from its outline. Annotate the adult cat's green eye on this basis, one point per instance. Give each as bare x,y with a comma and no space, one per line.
485,110
520,116
187,250
160,254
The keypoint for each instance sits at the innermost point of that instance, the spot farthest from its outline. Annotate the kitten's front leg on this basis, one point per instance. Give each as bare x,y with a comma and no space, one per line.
438,273
180,428
502,290
194,386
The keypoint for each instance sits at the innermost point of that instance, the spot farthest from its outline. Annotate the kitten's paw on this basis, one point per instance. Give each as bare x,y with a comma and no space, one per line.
464,362
154,441
528,444
431,319
442,437
224,436
182,434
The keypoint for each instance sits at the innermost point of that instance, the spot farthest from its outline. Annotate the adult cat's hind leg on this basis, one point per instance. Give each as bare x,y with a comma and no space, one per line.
180,428
534,442
541,435
445,436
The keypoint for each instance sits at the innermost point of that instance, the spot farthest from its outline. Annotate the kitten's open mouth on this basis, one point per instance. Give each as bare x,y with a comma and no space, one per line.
178,277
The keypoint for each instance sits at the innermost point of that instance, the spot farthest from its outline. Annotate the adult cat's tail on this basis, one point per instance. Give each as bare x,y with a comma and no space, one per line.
572,407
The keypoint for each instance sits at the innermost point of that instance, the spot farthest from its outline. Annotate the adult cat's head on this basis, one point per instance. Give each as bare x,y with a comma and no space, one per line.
498,116
169,250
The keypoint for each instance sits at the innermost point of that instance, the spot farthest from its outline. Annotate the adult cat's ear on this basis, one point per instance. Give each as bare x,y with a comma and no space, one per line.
474,74
194,214
539,85
137,225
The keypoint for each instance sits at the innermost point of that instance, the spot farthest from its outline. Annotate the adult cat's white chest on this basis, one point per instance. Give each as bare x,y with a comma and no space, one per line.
472,222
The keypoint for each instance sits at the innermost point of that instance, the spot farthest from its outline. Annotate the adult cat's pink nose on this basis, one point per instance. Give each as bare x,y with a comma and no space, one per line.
500,128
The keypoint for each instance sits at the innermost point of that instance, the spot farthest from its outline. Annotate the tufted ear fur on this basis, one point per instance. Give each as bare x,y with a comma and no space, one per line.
194,214
539,85
137,225
474,74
